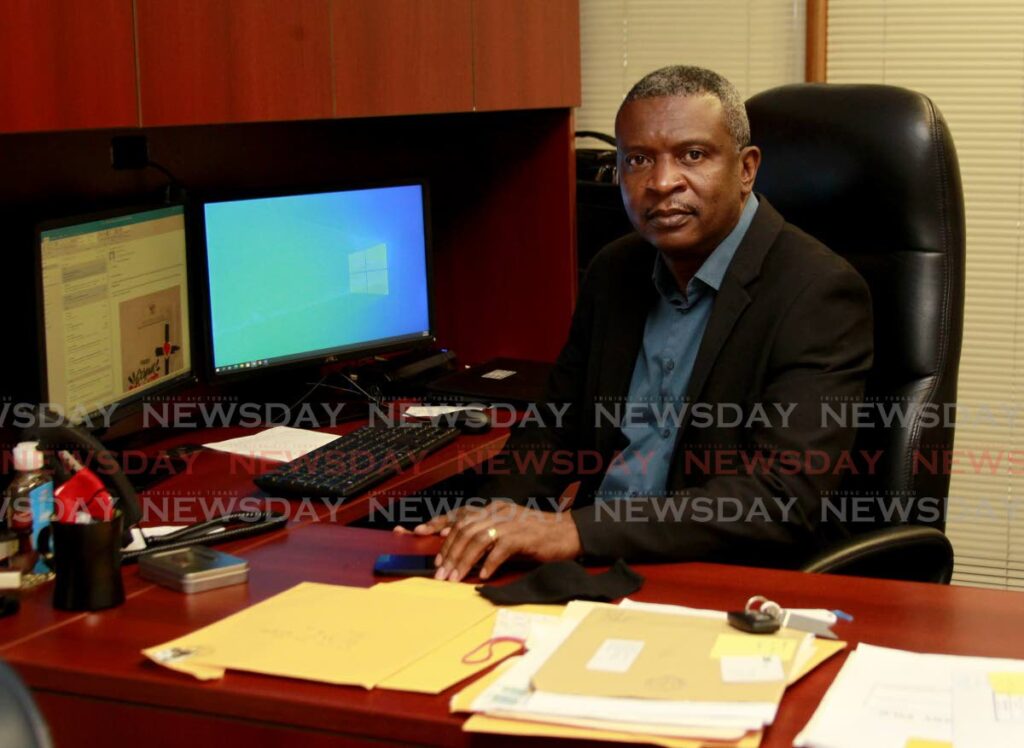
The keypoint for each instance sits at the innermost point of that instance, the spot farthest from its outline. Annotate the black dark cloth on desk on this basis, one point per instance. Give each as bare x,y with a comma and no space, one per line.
562,581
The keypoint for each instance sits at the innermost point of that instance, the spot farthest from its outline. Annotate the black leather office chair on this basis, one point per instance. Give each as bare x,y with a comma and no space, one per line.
871,171
21,724
600,215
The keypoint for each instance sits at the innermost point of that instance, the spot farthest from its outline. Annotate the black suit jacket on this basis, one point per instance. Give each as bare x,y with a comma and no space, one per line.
790,325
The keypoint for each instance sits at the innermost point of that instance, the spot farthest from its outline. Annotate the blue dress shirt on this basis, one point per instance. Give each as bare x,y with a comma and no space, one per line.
672,336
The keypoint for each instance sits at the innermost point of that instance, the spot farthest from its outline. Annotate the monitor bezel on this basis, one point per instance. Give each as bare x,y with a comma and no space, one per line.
337,355
125,405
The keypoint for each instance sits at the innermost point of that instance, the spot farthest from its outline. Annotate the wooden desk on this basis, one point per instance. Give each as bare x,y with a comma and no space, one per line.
216,483
93,684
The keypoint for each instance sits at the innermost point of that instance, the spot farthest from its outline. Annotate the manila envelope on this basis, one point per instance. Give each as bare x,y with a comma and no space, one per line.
639,654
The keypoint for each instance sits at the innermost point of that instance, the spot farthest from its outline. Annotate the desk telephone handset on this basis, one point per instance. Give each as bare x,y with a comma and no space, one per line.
78,447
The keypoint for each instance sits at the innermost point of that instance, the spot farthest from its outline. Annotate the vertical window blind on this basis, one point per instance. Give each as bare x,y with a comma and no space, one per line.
969,59
757,44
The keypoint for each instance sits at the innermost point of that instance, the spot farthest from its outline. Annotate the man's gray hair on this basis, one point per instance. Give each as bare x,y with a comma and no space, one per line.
689,80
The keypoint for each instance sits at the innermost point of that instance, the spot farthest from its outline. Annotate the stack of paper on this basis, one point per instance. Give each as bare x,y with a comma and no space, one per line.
892,698
636,672
674,677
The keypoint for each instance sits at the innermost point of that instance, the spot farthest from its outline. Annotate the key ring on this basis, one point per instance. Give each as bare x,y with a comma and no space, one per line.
761,604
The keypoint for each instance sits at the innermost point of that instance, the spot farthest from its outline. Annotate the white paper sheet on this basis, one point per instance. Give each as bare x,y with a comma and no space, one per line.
139,535
276,444
433,411
679,610
985,716
887,697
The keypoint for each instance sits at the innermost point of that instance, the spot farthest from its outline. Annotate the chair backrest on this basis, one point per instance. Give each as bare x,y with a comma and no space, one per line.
600,215
871,171
20,722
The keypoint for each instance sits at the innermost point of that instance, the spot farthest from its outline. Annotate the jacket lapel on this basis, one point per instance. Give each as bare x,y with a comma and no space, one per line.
632,289
733,297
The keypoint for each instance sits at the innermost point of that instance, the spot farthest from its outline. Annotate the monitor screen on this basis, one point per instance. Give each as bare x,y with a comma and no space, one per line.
304,277
115,315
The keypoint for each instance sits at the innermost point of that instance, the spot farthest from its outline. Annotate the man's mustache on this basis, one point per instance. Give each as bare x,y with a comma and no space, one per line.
672,209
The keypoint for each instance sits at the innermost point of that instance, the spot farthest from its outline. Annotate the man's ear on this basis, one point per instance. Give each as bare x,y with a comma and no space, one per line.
750,159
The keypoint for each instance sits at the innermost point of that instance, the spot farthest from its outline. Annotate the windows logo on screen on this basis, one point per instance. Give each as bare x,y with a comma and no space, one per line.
368,270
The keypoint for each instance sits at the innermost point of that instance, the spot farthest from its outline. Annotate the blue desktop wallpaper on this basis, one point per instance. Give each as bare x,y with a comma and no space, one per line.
303,273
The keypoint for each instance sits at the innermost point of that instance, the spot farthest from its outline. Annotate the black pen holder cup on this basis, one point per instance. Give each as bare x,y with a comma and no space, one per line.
87,562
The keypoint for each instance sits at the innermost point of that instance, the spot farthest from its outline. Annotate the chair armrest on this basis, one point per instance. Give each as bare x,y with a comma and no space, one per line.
22,724
908,552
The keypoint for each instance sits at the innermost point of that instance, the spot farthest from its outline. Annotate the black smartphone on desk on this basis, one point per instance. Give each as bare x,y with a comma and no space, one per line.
416,565
404,565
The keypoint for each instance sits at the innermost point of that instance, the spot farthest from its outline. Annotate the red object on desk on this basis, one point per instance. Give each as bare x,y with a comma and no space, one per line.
84,491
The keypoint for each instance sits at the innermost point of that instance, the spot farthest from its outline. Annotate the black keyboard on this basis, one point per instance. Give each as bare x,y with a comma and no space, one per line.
356,461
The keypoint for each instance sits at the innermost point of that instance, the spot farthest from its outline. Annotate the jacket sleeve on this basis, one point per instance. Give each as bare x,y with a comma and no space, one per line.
529,469
822,351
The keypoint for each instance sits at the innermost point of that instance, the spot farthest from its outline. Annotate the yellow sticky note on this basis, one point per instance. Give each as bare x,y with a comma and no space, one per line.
1007,684
753,645
921,743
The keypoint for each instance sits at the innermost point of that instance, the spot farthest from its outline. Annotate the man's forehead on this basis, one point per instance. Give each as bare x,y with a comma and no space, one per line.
678,116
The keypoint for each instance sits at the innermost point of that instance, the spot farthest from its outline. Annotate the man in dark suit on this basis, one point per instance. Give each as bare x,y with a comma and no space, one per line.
700,353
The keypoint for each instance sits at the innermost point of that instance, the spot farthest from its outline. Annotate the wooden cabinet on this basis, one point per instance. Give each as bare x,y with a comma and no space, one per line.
526,54
402,57
425,56
214,61
331,91
72,64
66,65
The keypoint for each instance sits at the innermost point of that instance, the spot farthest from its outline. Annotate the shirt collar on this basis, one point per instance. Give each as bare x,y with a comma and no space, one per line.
712,271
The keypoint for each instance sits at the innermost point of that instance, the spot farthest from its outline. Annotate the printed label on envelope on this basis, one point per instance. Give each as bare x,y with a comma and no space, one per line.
755,669
615,655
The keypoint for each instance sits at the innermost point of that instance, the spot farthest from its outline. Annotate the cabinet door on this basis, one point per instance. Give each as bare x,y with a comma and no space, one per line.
66,64
526,53
209,61
402,56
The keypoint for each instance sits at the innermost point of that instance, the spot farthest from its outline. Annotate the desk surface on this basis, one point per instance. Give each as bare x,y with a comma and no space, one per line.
91,680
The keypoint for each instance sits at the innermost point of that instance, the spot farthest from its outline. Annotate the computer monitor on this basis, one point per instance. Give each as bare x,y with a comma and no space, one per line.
115,308
316,276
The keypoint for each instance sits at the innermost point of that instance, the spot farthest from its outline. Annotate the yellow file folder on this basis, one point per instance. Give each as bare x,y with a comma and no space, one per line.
408,635
327,633
445,667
